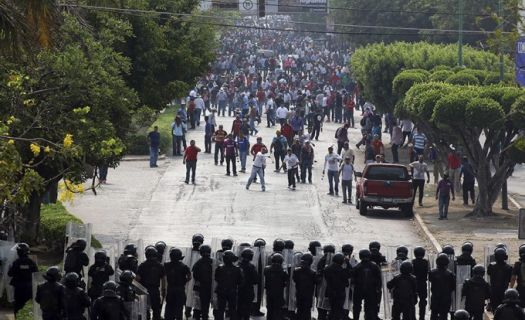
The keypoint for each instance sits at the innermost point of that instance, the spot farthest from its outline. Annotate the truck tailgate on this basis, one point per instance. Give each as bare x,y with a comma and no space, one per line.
394,189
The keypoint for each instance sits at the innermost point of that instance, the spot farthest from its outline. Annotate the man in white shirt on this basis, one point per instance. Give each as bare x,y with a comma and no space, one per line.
331,165
281,114
258,168
199,106
346,170
292,162
419,168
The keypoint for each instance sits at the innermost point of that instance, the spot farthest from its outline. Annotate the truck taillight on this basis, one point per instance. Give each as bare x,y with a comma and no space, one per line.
365,187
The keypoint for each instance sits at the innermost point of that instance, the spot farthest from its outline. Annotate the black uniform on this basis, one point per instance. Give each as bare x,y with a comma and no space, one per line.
500,274
229,278
404,293
21,273
49,296
75,303
246,290
151,273
367,279
465,260
75,260
321,265
109,307
128,262
128,294
509,311
202,273
443,283
519,271
476,291
276,279
421,270
99,275
177,275
336,282
305,280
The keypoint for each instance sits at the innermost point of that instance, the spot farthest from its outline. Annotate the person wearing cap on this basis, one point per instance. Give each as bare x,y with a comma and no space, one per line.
258,168
331,165
454,166
244,146
346,171
444,188
469,178
306,161
292,163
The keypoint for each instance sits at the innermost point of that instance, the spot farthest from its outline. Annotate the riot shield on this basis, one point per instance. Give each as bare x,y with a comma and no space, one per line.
488,253
217,261
387,295
259,260
317,257
452,268
462,274
190,258
7,257
74,232
292,299
322,300
139,307
352,262
38,278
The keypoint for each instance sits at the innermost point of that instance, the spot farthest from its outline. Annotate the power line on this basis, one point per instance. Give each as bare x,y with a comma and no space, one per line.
127,10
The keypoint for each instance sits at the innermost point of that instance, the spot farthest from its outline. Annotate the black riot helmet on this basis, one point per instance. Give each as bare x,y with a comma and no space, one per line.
205,250
329,248
127,277
406,267
71,280
259,243
227,244
511,296
364,255
110,286
419,252
247,254
338,258
313,245
374,246
448,250
402,251
289,244
100,257
52,274
176,254
197,240
347,249
500,255
161,247
307,259
80,245
522,252
150,252
130,249
277,258
478,270
229,257
22,249
278,245
467,248
461,315
442,260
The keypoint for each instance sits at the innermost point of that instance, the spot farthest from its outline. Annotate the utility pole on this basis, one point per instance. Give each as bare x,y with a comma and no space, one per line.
504,190
460,31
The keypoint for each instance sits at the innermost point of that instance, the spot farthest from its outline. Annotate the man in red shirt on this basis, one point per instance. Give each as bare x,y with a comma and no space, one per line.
377,145
236,126
287,132
454,167
190,160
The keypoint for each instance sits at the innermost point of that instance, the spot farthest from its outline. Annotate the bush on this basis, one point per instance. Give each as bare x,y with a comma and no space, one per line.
463,78
479,74
53,221
406,79
440,75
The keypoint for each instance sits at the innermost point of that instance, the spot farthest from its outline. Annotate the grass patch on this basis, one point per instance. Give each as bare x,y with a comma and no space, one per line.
164,122
53,221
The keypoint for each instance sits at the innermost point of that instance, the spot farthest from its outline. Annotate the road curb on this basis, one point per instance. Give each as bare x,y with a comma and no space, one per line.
427,232
514,202
141,158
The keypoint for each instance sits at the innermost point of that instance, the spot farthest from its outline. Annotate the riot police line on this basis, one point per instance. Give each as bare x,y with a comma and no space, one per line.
236,280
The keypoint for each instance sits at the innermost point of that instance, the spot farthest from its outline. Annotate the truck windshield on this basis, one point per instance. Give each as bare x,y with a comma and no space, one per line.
387,173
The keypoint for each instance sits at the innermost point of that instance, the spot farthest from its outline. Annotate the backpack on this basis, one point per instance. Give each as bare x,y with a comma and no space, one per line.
362,122
278,145
337,133
72,262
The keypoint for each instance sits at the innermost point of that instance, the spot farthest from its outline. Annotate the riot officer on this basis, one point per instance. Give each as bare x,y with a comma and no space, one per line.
328,249
510,309
177,275
250,279
421,269
278,246
305,279
99,272
75,299
476,291
518,276
367,279
500,273
466,259
161,248
443,283
125,289
402,253
151,275
312,247
21,273
109,306
226,244
128,259
404,292
350,262
376,255
256,306
196,242
76,258
276,280
202,273
228,277
461,315
336,282
49,295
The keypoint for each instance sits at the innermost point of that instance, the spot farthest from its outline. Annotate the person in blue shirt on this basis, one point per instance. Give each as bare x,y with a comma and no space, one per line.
244,147
154,143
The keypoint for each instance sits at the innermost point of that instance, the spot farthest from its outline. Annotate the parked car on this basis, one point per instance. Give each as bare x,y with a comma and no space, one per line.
384,185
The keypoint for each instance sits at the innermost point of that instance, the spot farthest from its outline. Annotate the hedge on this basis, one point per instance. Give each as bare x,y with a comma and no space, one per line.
53,221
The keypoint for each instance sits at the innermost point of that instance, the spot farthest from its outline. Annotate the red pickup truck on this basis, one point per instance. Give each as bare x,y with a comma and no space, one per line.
384,185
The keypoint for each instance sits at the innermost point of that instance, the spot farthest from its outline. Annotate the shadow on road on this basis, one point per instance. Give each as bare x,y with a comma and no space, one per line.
386,214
